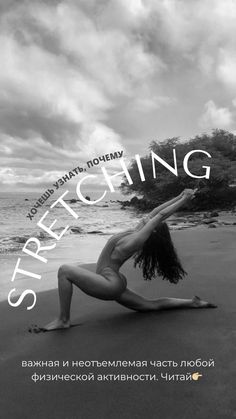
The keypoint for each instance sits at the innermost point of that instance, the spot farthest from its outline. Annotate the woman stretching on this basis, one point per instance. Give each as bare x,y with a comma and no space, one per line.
151,245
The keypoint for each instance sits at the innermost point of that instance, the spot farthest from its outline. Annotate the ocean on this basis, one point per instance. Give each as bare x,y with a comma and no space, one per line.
104,218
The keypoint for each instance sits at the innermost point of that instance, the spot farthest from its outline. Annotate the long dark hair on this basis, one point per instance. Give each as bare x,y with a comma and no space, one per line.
158,256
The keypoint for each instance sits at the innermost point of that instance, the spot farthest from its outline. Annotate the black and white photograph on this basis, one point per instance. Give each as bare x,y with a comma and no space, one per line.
117,209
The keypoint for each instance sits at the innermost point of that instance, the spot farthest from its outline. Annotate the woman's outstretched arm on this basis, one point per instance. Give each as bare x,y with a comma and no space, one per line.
156,210
166,212
162,206
134,241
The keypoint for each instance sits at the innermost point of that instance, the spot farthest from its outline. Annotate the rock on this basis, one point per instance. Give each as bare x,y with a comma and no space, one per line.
212,225
19,239
134,200
194,220
125,203
95,232
181,219
209,221
214,214
76,230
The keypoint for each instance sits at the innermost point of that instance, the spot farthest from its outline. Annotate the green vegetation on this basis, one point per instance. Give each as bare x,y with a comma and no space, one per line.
217,192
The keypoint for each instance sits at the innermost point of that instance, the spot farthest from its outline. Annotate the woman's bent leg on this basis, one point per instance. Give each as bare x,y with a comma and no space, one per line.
89,282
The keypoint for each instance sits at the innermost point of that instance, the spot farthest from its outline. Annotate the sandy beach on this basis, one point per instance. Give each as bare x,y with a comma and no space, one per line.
108,331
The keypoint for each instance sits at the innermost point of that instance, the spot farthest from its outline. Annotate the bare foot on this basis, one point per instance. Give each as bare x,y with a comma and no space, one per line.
54,325
198,303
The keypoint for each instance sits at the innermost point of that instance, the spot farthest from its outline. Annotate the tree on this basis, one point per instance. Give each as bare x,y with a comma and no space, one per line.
217,191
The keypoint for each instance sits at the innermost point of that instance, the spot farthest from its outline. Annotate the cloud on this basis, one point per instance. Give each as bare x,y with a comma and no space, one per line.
227,68
85,78
214,117
62,72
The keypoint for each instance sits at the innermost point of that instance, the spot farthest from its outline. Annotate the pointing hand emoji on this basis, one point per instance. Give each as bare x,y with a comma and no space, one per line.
196,375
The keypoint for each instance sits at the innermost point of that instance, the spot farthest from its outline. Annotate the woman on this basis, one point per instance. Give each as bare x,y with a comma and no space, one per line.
150,243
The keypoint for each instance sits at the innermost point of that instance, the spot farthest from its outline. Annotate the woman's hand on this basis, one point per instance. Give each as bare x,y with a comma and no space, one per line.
189,193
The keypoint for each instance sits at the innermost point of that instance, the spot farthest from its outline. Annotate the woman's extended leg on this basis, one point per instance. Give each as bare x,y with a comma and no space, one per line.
89,282
138,303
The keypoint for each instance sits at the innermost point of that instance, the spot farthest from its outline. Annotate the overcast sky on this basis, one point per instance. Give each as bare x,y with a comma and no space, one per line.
82,78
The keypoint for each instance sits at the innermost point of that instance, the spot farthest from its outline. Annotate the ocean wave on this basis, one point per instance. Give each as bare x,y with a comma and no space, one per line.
102,219
12,244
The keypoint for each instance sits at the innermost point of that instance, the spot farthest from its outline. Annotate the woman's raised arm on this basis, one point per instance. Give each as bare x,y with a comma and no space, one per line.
156,210
166,204
167,210
161,207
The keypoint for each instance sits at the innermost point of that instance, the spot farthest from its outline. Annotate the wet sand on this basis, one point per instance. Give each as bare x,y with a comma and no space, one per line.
108,331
